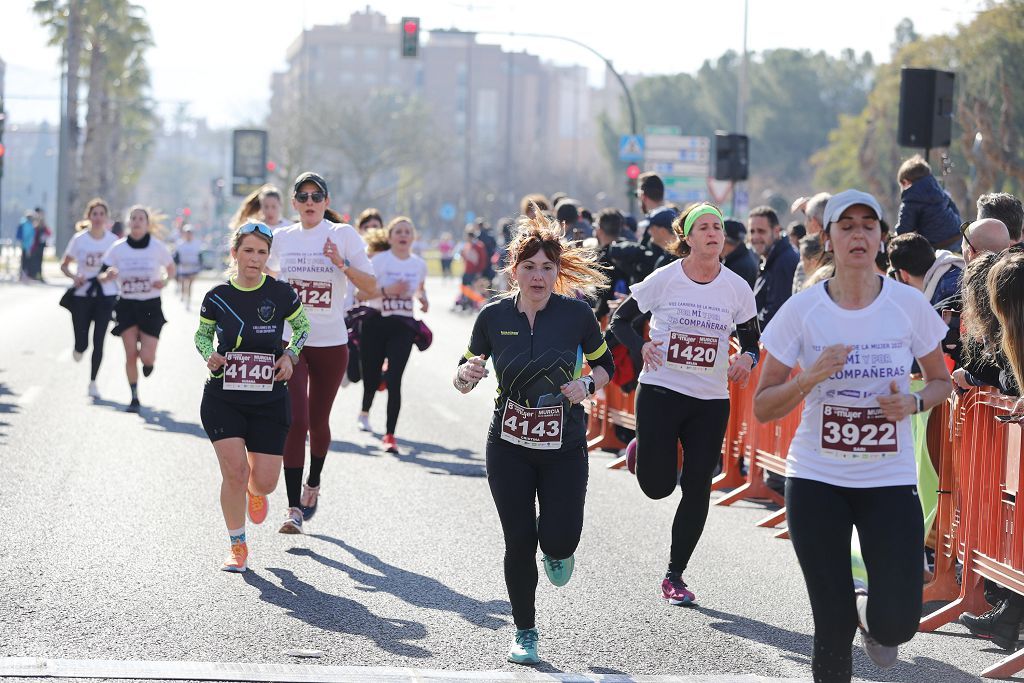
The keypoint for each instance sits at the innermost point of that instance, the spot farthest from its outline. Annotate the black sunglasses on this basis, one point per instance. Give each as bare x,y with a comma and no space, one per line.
262,229
963,232
317,197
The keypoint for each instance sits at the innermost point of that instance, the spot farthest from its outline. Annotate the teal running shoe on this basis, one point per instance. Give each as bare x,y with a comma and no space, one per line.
559,571
524,647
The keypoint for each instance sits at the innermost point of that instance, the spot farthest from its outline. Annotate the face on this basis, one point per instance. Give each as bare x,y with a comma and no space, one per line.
138,223
536,276
98,215
856,237
401,236
187,235
251,255
270,207
310,211
707,237
370,224
762,234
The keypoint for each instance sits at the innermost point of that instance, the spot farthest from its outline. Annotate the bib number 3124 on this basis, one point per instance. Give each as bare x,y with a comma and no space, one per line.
857,433
314,293
692,352
249,371
537,428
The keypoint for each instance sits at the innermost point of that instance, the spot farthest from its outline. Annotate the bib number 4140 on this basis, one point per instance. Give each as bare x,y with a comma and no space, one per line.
249,371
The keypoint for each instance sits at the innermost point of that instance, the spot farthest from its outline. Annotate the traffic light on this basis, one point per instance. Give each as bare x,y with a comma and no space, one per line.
632,173
410,36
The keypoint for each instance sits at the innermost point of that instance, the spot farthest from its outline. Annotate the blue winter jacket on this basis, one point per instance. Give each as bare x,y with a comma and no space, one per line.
925,208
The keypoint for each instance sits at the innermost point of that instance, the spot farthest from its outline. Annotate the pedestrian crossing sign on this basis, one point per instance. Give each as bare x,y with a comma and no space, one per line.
631,148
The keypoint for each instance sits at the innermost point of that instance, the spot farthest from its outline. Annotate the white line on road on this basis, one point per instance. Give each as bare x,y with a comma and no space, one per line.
29,395
304,673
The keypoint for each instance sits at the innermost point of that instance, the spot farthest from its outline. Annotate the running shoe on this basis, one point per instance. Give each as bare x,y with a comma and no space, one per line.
631,456
308,501
292,523
237,560
94,392
134,406
524,647
257,508
884,656
77,355
388,443
559,571
674,589
363,422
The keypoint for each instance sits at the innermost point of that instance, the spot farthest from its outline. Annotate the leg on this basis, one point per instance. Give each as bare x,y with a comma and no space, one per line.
562,492
234,469
371,357
327,367
148,351
295,444
265,470
266,431
130,339
657,438
821,525
102,311
80,318
398,349
701,434
513,482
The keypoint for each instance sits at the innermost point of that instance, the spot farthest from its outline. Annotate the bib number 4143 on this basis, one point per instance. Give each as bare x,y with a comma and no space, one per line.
537,428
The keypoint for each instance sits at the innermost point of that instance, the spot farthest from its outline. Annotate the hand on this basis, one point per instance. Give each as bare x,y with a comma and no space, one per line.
897,406
285,365
424,304
740,365
960,379
331,252
575,391
831,361
473,370
78,280
216,361
396,289
652,355
159,284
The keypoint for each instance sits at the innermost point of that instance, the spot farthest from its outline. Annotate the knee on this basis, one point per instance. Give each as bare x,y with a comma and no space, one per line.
522,542
559,545
893,629
263,486
654,487
237,477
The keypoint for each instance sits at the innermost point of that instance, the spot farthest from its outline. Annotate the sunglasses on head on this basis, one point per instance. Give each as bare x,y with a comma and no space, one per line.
963,233
262,229
317,197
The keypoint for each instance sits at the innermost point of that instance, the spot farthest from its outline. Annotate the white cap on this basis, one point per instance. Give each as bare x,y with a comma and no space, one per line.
844,200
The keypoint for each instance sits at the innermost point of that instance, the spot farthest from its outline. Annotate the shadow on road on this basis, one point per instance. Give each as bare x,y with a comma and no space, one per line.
466,465
415,589
157,420
801,645
5,409
341,615
354,448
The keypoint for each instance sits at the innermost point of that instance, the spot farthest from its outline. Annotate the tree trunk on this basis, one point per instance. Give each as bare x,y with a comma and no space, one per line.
74,65
89,173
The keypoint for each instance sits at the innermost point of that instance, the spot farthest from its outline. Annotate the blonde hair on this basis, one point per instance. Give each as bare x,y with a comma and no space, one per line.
401,219
376,241
85,223
1006,296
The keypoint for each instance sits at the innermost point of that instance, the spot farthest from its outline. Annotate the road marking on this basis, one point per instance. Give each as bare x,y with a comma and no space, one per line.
305,673
29,395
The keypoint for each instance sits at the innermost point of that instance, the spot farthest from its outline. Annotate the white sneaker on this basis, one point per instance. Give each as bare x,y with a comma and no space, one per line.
363,422
884,656
292,523
77,355
94,392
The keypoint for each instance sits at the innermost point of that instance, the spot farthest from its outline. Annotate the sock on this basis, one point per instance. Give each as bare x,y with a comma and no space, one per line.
135,390
316,466
293,485
147,370
237,535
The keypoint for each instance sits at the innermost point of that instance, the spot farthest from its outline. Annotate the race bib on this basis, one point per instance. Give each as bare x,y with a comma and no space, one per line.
857,433
692,352
249,371
314,293
537,428
394,304
94,259
136,285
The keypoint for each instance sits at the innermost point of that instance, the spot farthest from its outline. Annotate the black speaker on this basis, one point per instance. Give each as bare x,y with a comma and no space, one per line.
731,160
926,108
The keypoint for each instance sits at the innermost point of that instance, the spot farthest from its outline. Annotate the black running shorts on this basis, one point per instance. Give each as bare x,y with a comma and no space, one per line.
146,314
264,426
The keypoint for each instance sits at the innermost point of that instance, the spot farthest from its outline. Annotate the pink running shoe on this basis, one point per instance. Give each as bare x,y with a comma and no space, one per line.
674,589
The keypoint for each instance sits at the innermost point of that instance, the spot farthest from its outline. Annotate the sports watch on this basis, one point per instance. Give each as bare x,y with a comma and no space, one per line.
754,357
919,402
590,384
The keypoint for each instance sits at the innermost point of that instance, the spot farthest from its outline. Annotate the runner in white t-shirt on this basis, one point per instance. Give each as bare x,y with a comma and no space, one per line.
851,463
264,205
683,396
321,258
389,335
138,261
93,301
187,257
368,222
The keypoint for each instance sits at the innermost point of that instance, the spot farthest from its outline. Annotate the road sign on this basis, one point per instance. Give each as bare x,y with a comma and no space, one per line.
682,161
631,148
663,130
447,211
470,216
676,168
249,161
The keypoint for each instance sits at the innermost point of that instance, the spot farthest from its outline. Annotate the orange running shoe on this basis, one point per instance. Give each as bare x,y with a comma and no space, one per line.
257,508
238,560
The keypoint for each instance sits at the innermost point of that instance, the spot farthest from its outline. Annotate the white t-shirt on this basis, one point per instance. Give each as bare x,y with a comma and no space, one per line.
283,223
87,253
138,269
297,255
188,257
843,439
389,270
694,322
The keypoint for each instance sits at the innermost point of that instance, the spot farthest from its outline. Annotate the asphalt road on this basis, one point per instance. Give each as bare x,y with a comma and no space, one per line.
111,538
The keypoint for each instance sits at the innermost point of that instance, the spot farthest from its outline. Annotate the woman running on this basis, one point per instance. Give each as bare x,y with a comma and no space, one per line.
537,337
318,257
851,462
245,409
187,258
401,276
138,262
683,395
93,302
264,205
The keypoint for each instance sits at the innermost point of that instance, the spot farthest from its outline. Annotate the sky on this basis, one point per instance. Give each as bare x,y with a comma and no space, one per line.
217,56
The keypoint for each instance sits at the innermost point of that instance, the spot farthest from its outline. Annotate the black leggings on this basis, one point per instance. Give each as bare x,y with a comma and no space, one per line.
517,476
890,526
385,338
665,419
96,311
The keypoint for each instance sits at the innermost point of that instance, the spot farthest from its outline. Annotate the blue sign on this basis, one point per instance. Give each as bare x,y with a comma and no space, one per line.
447,211
470,216
631,148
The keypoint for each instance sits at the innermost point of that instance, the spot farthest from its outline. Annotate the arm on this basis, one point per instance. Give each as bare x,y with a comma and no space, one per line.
776,396
622,325
898,406
472,366
906,219
300,331
204,344
64,268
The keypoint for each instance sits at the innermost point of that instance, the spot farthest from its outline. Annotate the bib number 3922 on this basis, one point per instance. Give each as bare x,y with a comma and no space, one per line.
857,433
537,428
314,293
692,352
249,371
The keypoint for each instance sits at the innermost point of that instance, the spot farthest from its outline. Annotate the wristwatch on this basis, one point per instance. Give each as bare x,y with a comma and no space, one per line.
589,384
920,403
754,357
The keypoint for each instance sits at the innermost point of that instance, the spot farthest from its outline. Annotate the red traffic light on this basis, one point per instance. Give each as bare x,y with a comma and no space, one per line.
271,166
410,26
632,171
187,212
2,149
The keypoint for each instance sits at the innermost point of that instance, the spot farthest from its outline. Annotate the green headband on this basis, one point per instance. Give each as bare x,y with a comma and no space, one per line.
706,210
